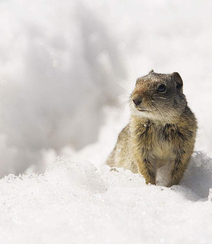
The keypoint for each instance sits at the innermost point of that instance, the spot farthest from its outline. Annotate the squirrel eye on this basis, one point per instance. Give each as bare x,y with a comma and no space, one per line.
161,88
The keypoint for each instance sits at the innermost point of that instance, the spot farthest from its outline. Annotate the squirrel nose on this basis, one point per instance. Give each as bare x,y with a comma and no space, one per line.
138,100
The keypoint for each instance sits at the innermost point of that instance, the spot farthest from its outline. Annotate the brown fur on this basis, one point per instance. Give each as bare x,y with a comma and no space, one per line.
161,133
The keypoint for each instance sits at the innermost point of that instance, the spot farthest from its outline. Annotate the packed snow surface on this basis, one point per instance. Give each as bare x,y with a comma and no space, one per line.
63,65
81,203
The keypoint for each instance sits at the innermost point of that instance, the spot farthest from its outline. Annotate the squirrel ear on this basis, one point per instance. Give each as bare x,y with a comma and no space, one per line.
177,78
151,71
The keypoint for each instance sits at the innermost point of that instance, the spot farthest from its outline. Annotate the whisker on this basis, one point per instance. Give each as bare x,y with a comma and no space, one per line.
133,73
122,107
123,88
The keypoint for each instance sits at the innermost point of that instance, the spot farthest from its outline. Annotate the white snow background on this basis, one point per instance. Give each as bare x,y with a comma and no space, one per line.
66,71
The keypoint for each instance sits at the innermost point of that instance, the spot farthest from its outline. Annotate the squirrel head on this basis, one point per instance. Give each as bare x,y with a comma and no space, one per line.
159,97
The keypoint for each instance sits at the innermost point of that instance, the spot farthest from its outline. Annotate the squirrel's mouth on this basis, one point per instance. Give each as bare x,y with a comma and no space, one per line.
140,108
143,110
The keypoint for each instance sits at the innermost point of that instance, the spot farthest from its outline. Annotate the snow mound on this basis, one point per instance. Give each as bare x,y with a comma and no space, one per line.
198,176
82,203
59,65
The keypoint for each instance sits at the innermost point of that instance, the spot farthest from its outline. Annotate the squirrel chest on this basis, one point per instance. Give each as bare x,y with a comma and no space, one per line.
158,144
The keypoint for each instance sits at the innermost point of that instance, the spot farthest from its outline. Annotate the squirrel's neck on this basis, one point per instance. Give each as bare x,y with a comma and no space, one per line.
153,119
145,121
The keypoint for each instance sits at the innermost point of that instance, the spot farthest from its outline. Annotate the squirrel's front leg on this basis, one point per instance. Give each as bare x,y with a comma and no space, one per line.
178,171
145,168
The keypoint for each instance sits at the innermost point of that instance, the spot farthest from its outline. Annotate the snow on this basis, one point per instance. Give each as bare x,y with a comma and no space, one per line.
52,66
80,203
64,67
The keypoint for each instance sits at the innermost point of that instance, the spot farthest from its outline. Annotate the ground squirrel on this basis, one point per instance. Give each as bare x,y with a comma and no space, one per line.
159,139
